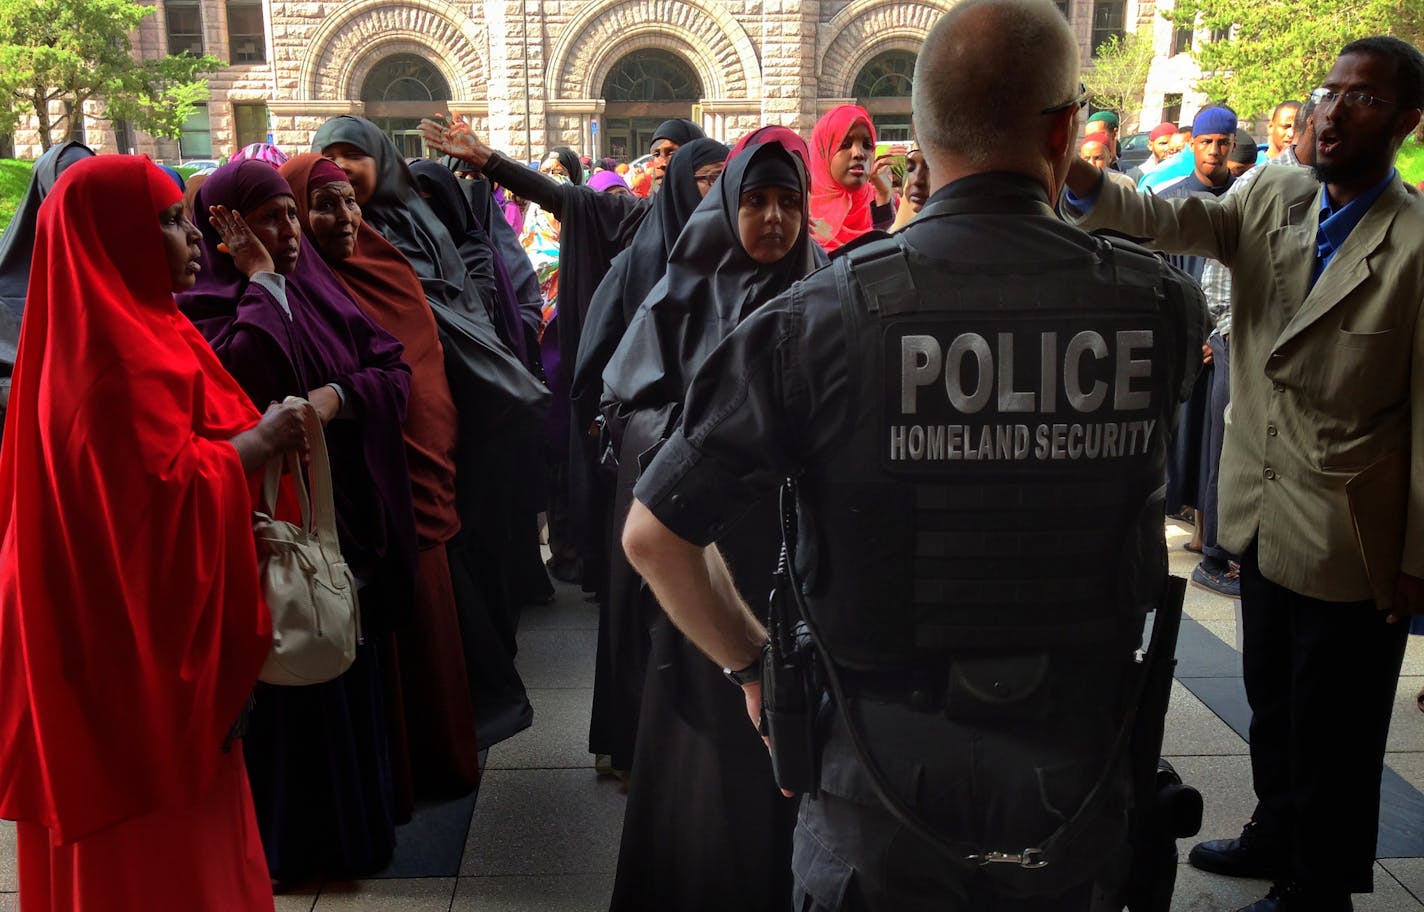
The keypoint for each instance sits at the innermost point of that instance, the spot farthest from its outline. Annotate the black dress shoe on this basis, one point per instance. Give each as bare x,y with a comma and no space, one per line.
1251,854
1296,897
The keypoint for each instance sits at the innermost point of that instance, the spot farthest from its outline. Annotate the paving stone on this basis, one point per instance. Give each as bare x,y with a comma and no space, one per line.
301,900
561,893
557,658
568,611
1194,730
1409,872
1226,698
1389,895
538,822
1203,653
1198,891
1406,727
9,902
424,894
9,879
1225,785
558,739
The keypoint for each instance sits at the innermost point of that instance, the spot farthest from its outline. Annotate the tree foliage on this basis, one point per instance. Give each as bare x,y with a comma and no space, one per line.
1283,49
77,50
1118,78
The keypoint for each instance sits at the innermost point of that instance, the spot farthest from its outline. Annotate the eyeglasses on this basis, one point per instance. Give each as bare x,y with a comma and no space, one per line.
1076,102
1349,99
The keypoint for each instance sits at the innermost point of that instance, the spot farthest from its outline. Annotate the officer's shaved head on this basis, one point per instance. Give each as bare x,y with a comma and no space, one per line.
986,71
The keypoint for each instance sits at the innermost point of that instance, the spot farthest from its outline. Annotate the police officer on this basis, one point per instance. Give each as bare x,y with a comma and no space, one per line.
974,413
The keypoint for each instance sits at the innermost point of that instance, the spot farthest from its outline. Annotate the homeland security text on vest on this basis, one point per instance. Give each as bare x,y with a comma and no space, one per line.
1093,376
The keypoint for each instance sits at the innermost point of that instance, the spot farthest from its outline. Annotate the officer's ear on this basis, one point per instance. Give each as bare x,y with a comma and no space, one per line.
1062,134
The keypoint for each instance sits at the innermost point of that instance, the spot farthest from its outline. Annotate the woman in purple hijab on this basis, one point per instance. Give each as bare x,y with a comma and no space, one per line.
283,325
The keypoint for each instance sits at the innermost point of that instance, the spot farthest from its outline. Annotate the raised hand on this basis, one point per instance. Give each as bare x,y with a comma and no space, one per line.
455,138
238,242
880,178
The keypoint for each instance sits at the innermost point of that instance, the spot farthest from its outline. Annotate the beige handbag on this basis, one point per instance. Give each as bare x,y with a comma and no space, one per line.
316,621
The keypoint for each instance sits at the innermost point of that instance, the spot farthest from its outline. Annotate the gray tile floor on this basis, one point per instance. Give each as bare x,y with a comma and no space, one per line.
544,833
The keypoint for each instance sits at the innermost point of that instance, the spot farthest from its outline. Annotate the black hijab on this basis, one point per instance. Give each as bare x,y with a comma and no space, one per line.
570,160
18,243
485,376
637,269
711,285
679,130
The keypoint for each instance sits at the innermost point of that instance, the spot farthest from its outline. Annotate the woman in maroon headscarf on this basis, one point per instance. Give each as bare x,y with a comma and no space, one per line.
437,686
283,325
132,625
850,193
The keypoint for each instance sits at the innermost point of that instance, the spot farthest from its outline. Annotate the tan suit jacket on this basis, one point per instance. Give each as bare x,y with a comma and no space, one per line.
1327,382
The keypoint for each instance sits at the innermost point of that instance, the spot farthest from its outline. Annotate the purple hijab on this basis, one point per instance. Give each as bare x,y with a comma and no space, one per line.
325,339
605,180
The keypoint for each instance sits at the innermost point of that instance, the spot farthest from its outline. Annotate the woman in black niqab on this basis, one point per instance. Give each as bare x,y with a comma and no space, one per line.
702,801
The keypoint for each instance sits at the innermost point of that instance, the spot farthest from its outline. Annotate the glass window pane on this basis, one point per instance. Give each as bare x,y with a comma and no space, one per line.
405,77
249,124
887,75
185,27
1107,21
196,140
247,39
652,75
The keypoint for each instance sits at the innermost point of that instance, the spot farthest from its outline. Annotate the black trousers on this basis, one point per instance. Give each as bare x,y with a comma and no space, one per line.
1320,678
872,865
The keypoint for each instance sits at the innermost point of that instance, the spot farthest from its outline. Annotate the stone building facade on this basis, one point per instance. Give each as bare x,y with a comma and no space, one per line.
597,75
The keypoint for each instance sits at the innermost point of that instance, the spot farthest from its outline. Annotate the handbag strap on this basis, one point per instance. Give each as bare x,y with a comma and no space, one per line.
272,479
321,521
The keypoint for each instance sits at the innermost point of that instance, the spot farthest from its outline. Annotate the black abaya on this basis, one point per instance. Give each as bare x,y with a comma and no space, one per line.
705,826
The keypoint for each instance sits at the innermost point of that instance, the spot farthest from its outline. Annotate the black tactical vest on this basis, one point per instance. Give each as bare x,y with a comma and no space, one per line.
1002,485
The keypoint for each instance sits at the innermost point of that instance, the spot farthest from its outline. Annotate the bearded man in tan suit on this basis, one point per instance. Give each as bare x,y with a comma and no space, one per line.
1322,471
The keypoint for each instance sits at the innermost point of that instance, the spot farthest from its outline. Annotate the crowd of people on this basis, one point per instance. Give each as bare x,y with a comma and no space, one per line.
496,349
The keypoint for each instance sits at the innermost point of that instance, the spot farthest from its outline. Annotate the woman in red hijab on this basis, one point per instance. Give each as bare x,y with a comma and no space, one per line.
132,626
849,193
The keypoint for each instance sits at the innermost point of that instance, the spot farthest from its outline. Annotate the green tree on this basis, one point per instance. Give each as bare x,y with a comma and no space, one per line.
77,50
1282,49
1118,78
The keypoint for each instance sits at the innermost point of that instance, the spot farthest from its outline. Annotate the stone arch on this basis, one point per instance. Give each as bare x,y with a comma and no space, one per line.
701,31
373,55
347,45
866,28
653,37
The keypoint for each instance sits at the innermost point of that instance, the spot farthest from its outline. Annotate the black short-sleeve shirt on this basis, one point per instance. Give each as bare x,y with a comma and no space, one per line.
775,393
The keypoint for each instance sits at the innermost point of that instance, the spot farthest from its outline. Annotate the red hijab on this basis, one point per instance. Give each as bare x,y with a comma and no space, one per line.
838,215
132,626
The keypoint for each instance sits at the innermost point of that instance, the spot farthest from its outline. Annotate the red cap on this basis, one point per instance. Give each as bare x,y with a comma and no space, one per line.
1165,128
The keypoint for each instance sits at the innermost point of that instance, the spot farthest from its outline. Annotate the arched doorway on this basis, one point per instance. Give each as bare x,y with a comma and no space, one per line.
398,92
883,88
642,90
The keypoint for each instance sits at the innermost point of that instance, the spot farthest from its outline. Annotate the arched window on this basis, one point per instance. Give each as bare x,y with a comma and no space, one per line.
652,75
405,77
887,75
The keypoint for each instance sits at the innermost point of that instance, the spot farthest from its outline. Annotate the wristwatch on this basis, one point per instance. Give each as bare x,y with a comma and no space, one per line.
744,676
